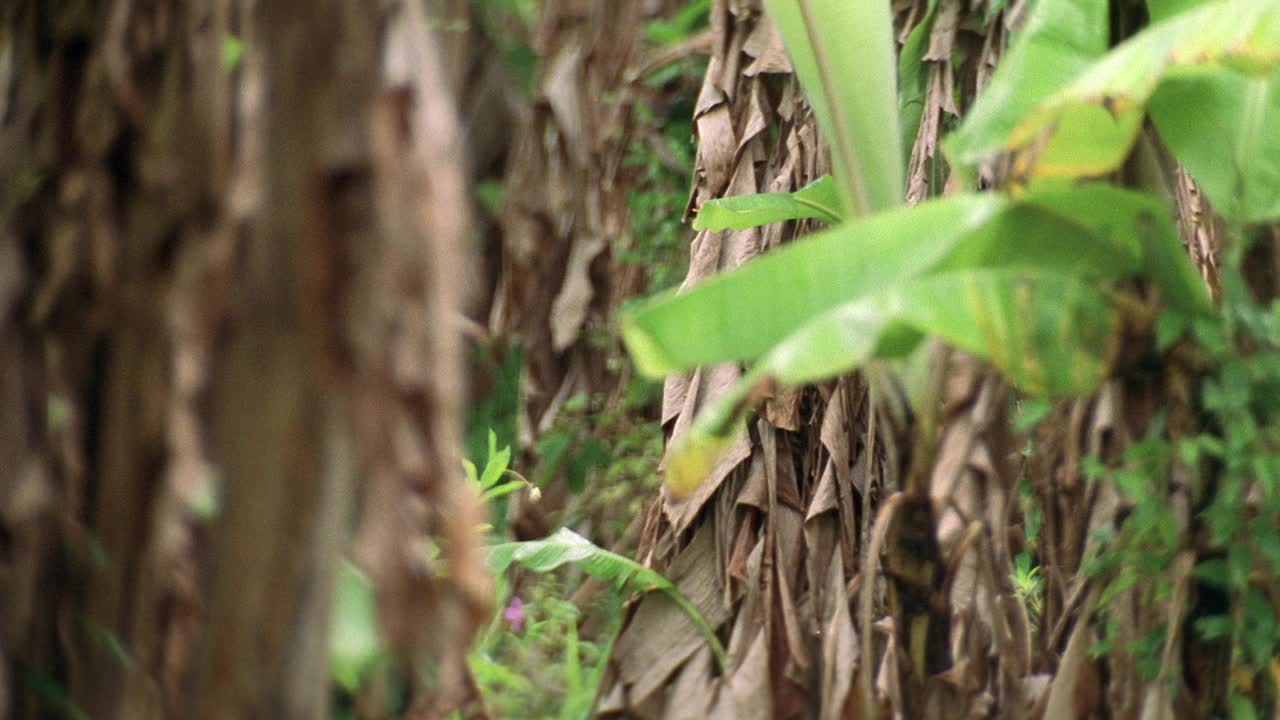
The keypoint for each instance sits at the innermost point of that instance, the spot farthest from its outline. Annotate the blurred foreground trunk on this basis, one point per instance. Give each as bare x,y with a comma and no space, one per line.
231,252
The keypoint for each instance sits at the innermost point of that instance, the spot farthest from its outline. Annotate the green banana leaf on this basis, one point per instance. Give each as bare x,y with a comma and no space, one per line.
818,200
1060,40
1224,128
784,288
1218,61
567,546
1095,231
1139,224
843,54
1049,333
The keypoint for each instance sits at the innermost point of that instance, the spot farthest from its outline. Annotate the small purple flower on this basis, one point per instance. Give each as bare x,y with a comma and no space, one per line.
513,615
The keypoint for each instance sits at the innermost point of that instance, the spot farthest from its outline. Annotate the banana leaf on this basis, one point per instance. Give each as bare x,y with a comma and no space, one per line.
818,200
1224,128
1060,40
1097,232
1209,75
1158,10
1051,334
843,54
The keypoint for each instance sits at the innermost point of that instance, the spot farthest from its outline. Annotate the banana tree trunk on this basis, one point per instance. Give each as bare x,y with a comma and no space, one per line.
857,557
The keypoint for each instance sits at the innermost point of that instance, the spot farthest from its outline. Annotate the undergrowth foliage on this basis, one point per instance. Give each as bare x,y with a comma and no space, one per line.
535,657
1209,493
531,654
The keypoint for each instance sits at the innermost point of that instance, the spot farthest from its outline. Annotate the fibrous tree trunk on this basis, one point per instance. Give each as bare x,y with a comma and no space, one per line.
228,231
764,548
853,548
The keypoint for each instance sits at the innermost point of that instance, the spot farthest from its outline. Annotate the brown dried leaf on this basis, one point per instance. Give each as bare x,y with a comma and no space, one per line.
1075,691
764,45
660,636
716,135
746,693
569,309
840,650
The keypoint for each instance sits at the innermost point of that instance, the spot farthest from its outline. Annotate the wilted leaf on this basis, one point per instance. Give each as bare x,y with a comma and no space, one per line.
1074,692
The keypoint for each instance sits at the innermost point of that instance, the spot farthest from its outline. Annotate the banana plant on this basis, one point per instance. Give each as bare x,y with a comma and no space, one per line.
1207,77
1023,277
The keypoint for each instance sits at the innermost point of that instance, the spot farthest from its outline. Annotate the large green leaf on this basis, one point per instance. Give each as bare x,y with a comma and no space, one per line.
1224,128
843,54
1060,39
1049,333
1217,53
567,546
1135,222
818,200
782,289
1021,282
1094,231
